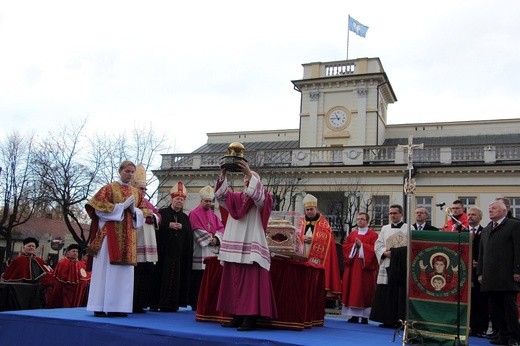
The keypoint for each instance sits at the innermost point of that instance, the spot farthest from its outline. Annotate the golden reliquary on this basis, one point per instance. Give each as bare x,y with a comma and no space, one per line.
235,153
283,240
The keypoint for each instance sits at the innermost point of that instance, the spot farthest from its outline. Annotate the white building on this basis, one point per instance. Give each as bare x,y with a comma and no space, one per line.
347,155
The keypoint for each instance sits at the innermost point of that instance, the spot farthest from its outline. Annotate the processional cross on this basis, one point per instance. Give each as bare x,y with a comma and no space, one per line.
409,185
409,189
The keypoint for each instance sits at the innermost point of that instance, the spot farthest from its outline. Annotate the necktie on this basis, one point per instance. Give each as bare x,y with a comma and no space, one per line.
495,225
420,228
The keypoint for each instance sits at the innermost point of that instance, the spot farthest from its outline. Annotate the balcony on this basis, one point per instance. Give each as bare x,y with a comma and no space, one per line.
350,156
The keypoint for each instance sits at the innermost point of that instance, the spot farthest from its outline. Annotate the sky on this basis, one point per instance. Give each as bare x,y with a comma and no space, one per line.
195,67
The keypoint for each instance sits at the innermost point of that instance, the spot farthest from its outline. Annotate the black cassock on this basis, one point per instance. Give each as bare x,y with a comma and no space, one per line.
171,277
390,300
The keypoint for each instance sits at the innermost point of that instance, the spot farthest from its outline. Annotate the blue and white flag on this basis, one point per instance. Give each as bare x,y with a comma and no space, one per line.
357,27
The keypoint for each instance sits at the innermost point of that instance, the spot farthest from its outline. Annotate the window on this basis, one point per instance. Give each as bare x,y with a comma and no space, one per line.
380,213
515,206
425,201
468,202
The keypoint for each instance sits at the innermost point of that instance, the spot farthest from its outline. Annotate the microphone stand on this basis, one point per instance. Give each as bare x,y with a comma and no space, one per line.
460,228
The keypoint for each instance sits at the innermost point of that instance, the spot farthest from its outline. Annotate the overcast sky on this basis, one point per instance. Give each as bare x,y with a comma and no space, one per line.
192,67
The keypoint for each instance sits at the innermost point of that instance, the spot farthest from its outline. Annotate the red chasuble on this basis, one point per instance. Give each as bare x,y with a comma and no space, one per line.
323,253
121,236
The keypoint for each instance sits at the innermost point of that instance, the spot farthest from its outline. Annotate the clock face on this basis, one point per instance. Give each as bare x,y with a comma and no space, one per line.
338,119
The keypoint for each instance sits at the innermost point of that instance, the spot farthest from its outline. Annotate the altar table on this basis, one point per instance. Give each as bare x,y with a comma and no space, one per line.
299,290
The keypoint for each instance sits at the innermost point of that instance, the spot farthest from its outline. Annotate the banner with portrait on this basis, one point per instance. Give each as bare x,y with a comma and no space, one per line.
435,271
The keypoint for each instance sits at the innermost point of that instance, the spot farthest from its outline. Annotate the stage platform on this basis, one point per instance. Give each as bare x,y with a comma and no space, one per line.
79,327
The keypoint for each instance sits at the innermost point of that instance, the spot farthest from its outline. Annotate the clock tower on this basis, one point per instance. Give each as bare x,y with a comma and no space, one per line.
344,103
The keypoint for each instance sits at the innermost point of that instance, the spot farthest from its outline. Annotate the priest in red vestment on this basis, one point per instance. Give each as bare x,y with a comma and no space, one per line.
117,210
71,281
360,273
320,245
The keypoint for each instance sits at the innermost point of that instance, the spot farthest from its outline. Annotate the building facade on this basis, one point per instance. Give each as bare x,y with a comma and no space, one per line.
348,156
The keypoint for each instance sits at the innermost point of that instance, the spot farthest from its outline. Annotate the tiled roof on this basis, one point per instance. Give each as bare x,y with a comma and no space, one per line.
458,140
37,227
428,141
249,146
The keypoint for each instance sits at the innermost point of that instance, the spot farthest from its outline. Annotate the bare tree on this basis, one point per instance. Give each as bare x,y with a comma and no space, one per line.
17,190
142,147
63,171
283,186
68,174
344,205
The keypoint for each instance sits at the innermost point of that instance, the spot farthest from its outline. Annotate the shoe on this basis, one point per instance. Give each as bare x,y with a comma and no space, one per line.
364,320
138,311
167,310
117,314
99,314
478,335
384,325
353,319
248,324
513,342
234,323
492,335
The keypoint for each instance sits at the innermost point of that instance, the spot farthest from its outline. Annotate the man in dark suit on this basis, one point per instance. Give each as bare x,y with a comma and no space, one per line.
498,272
421,215
507,203
479,313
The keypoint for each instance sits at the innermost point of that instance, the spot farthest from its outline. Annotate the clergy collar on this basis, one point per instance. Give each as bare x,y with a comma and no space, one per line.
314,218
397,225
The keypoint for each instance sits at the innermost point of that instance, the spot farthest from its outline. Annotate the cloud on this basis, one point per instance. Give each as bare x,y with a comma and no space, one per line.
206,66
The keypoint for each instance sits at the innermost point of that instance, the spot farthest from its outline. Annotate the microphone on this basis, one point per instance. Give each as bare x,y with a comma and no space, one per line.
440,205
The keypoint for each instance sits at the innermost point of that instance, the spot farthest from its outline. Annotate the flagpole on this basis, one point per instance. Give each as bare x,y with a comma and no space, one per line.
348,35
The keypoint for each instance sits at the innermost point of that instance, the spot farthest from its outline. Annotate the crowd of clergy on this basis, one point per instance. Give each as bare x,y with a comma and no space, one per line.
144,259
